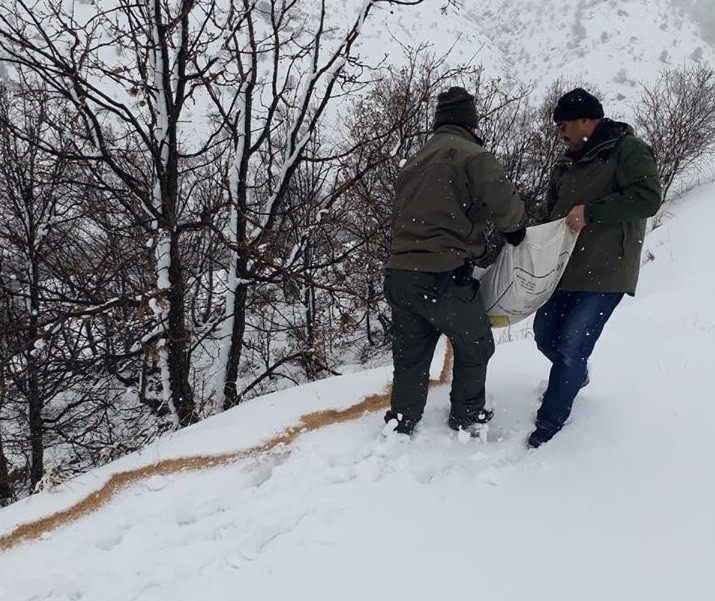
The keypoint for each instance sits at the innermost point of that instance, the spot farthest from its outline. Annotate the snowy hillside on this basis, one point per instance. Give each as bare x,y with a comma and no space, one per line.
299,495
618,506
610,45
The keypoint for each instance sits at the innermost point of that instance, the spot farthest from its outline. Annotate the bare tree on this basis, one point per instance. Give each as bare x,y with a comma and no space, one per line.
677,118
50,269
141,80
132,106
35,201
6,492
292,64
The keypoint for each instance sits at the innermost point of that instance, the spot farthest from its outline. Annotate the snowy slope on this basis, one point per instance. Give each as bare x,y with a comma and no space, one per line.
618,506
610,45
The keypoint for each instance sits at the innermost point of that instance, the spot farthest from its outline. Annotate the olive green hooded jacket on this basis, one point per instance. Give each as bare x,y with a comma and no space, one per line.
616,178
443,195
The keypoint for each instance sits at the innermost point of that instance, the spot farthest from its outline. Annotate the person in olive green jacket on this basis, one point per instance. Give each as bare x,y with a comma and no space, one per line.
443,196
606,185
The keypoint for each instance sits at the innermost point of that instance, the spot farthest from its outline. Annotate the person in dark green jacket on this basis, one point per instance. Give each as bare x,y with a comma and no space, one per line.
443,196
606,185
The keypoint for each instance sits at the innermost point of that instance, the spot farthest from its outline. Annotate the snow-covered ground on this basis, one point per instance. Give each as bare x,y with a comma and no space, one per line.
618,506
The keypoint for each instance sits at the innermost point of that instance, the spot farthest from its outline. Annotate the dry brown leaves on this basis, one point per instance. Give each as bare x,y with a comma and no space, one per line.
121,480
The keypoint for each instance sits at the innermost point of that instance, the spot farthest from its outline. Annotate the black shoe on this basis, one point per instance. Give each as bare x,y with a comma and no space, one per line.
541,435
402,424
482,417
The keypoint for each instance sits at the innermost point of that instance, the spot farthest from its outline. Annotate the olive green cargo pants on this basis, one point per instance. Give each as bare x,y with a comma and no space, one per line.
423,306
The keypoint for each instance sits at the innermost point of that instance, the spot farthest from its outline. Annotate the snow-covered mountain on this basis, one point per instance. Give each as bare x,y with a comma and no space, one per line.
610,45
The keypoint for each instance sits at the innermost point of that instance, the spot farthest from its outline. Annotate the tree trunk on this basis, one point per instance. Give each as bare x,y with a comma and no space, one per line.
368,312
238,276
234,356
5,488
34,399
178,341
34,395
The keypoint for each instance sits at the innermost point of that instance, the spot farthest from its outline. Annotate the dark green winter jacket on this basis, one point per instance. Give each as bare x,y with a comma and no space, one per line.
443,196
616,178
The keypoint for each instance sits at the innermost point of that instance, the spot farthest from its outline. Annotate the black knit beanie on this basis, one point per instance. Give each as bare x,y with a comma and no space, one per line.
577,104
456,107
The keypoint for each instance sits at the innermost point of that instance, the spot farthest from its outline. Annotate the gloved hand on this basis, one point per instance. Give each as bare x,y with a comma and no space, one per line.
515,238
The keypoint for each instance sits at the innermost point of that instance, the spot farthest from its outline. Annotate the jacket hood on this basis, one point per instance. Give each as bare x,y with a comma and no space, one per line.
606,134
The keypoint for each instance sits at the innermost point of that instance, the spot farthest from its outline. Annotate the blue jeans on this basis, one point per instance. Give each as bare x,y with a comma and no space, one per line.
566,329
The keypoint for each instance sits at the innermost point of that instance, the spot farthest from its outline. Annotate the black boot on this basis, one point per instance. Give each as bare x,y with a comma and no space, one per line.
541,435
586,381
467,424
402,424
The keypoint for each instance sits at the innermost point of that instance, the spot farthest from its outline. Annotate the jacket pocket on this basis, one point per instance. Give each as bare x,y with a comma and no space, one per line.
623,240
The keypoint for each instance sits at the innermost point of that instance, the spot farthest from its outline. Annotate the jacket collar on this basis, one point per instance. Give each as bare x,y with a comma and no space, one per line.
604,137
458,130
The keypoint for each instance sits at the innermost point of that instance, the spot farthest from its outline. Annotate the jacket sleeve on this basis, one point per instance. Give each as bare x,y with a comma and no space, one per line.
639,188
492,191
552,195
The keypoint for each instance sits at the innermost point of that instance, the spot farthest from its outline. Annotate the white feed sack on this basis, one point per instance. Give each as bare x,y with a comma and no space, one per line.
523,277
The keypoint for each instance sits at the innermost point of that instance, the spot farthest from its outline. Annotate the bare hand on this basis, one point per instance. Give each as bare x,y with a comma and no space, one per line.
576,218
